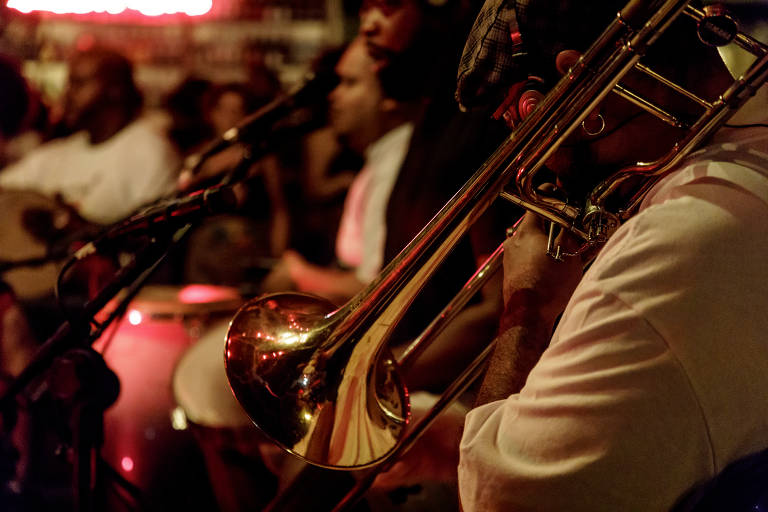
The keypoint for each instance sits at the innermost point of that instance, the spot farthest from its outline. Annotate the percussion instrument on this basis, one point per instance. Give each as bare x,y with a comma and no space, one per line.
145,435
30,220
200,384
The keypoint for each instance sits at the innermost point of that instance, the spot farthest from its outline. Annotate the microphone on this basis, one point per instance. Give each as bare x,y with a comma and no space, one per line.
257,126
167,214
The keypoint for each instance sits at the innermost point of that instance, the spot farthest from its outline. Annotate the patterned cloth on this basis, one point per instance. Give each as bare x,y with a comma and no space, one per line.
512,39
491,55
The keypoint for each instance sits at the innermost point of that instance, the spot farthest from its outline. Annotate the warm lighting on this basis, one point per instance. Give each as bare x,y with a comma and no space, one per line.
145,7
289,338
204,293
178,419
134,317
127,463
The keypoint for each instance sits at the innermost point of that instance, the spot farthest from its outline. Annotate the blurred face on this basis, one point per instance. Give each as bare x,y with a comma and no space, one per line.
228,111
85,94
355,102
615,134
389,26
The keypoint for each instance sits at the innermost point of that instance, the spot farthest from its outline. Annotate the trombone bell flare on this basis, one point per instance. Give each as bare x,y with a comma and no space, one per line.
308,393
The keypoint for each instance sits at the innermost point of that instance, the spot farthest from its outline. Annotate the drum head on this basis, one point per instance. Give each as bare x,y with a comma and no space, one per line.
18,243
200,383
159,301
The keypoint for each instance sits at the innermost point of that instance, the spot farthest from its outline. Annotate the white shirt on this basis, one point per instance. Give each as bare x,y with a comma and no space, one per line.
656,376
363,230
104,182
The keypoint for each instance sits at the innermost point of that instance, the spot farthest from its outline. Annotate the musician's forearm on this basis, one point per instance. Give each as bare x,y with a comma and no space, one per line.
462,340
336,285
518,349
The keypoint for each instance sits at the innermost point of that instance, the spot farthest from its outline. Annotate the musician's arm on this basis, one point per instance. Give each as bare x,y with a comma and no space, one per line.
336,285
279,220
24,174
536,289
461,341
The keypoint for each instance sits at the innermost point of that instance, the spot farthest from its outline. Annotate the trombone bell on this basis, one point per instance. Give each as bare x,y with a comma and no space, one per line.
339,407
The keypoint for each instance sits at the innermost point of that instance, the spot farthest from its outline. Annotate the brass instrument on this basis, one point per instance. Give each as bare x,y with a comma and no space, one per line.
321,382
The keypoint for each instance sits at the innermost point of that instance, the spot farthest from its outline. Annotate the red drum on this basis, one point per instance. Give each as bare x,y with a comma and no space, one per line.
145,435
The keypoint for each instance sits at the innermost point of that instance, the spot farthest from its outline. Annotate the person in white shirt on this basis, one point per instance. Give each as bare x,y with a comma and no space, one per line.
115,160
654,380
380,128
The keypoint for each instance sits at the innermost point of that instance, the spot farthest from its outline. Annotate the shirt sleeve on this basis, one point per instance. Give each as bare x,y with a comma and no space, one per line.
654,380
599,419
24,174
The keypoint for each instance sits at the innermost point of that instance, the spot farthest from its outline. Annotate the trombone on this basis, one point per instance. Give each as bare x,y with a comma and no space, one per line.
320,381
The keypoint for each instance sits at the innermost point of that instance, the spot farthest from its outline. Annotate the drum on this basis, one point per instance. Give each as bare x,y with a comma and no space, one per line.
29,221
245,468
200,384
145,436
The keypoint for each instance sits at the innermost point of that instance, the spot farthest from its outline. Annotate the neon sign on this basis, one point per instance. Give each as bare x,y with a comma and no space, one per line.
145,7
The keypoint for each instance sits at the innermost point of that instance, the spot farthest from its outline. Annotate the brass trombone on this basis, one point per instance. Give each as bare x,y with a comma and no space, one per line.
320,381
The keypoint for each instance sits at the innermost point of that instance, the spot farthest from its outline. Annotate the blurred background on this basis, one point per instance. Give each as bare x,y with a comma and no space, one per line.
169,40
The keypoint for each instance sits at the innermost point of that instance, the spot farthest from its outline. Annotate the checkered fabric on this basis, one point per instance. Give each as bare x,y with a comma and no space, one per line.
491,55
514,38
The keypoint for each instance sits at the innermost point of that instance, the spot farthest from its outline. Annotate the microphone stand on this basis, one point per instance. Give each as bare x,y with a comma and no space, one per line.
79,377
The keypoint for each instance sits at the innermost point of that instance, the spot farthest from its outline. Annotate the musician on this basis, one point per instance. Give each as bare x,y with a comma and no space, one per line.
371,122
654,379
447,146
115,160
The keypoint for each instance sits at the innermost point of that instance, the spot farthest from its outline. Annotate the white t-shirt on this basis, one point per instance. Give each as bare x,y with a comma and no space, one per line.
363,230
104,182
657,375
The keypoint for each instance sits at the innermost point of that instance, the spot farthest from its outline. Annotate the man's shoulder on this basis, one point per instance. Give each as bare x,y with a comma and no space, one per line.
146,126
146,139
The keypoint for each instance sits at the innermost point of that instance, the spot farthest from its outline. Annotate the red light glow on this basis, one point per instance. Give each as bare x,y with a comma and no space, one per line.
145,7
127,463
203,294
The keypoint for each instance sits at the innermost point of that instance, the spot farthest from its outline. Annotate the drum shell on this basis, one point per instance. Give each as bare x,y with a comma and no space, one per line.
146,438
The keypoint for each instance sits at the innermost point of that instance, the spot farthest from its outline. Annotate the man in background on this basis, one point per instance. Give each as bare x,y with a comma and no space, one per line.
378,126
115,160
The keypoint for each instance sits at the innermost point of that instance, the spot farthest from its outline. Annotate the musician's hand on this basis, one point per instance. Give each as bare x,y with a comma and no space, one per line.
293,272
435,456
278,279
536,284
215,166
299,269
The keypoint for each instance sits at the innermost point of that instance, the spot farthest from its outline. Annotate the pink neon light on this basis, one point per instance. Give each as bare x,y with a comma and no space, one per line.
146,7
203,293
